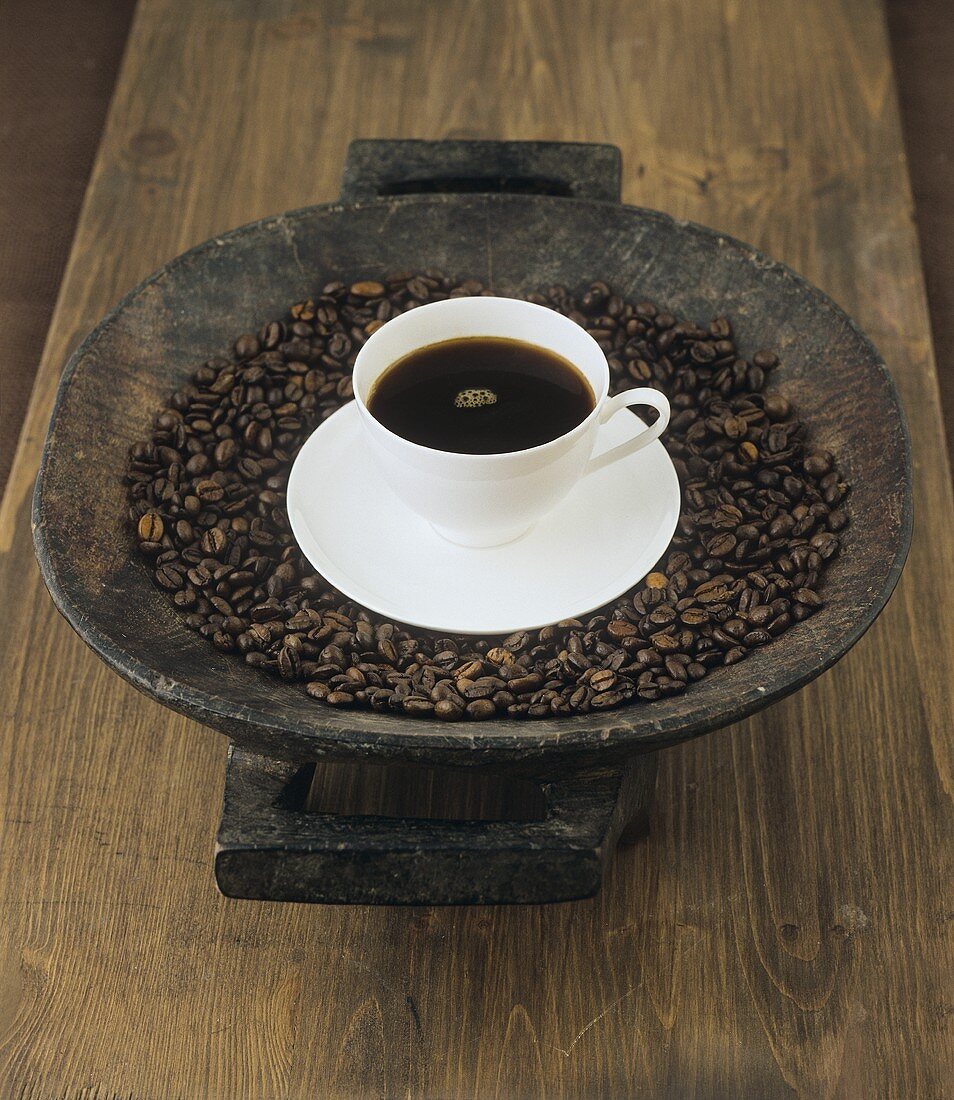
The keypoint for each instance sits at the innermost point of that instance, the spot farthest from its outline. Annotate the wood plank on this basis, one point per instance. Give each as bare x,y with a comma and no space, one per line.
782,927
56,82
922,33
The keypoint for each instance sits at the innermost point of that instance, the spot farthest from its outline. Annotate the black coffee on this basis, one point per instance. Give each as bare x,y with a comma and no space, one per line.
481,395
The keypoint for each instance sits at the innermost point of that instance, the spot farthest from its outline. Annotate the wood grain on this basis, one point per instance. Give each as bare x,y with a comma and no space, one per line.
56,82
782,929
921,33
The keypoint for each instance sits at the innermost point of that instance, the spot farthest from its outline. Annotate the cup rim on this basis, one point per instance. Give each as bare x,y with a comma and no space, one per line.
598,399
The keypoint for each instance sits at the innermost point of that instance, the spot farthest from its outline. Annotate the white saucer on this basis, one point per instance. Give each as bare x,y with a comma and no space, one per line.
604,537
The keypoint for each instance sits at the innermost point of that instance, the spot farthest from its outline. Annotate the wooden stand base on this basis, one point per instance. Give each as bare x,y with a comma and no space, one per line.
554,847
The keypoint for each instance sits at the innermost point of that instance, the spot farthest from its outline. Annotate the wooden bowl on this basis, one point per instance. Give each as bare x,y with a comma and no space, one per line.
187,311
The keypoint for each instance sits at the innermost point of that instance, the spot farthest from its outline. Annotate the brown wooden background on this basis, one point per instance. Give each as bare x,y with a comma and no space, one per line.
782,929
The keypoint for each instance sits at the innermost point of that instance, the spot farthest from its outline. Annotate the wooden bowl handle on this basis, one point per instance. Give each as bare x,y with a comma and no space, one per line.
270,848
376,168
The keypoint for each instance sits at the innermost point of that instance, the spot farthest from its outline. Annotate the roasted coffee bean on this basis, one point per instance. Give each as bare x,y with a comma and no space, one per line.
606,699
481,688
662,615
200,576
780,624
781,526
500,656
722,545
448,710
225,453
289,663
665,641
603,681
735,628
418,706
209,491
807,597
620,628
759,616
717,593
303,311
186,598
817,464
151,527
520,685
339,698
247,346
170,577
694,616
777,407
367,289
763,506
481,709
726,516
213,542
735,427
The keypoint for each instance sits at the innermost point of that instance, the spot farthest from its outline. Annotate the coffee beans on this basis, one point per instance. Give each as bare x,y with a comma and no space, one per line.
603,681
367,289
448,710
764,511
150,527
481,709
169,577
339,698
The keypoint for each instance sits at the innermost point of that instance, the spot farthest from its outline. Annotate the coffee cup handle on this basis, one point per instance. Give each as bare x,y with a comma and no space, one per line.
642,439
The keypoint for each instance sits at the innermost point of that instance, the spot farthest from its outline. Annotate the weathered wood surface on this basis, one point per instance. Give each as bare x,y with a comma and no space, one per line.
921,32
782,928
60,59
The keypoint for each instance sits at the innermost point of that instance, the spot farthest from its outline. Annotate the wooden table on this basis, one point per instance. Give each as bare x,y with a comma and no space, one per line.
781,930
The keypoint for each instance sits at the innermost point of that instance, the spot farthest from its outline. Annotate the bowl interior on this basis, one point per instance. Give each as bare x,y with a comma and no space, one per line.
191,308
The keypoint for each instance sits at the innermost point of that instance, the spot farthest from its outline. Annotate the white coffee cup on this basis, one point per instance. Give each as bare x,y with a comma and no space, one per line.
489,499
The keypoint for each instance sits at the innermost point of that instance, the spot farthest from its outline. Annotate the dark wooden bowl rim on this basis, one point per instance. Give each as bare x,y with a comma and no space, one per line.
715,702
